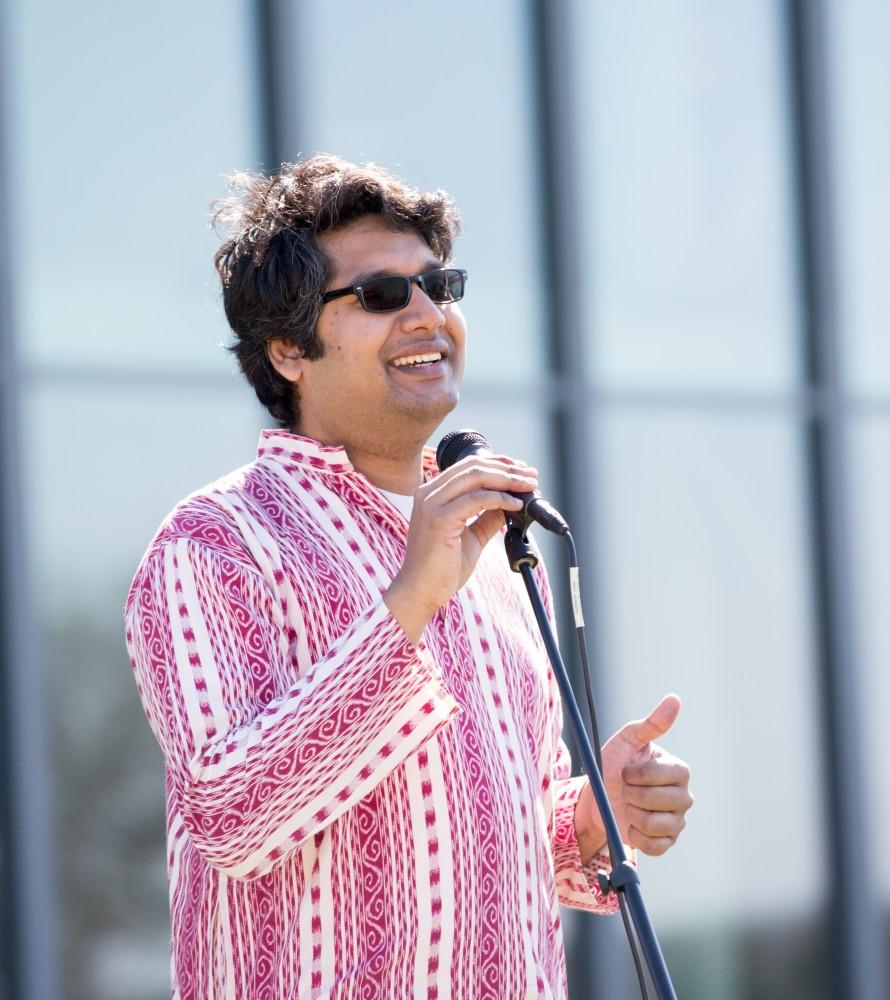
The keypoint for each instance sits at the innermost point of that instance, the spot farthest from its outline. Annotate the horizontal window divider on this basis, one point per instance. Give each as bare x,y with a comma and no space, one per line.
554,393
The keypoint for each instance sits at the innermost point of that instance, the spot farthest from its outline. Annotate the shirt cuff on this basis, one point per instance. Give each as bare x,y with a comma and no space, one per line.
577,883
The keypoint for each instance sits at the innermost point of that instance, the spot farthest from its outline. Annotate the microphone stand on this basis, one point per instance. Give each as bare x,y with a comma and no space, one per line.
623,879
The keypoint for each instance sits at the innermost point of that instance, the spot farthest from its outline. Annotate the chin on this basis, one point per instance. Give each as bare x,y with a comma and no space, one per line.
424,410
450,402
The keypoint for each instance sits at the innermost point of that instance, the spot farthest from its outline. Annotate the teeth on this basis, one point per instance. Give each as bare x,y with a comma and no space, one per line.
417,359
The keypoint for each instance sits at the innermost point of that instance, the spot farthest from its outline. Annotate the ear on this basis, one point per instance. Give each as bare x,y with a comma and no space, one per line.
286,359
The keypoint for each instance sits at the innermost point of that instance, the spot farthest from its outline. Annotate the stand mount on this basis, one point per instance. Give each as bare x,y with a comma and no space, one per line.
623,879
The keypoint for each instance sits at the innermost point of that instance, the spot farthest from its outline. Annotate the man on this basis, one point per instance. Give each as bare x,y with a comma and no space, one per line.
368,795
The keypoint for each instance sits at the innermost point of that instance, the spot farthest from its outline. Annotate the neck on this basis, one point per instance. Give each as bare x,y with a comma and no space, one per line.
386,472
396,466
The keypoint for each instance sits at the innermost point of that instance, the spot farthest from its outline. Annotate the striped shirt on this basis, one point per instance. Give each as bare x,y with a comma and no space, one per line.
348,814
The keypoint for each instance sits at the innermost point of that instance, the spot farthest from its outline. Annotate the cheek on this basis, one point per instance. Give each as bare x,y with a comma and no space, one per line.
353,369
460,343
458,331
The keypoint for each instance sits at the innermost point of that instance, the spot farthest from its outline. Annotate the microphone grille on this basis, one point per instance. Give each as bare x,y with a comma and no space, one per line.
456,444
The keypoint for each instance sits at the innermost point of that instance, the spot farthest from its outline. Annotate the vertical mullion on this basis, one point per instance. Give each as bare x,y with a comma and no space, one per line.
851,896
276,59
268,114
30,952
550,22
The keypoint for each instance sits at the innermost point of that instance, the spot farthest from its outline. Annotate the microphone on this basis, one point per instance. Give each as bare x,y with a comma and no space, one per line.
459,444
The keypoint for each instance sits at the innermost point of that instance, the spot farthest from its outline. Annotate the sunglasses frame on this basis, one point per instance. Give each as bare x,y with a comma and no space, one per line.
411,279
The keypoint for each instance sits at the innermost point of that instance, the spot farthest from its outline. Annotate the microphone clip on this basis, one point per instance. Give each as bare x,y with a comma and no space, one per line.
519,550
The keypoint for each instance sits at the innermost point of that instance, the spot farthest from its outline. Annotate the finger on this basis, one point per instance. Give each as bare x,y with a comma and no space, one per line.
498,463
656,772
455,515
472,480
656,723
653,846
656,824
493,477
505,460
663,798
487,525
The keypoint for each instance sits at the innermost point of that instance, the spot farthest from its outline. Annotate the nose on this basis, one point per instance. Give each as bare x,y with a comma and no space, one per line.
421,311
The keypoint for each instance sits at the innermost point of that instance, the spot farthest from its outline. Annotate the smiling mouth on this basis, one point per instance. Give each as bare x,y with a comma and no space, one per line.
421,361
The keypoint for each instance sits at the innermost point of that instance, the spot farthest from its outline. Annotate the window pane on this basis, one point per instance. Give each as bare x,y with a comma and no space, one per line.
103,468
367,106
860,78
122,457
685,199
704,583
122,127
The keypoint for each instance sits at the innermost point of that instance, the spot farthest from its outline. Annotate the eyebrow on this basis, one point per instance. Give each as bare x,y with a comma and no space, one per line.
383,272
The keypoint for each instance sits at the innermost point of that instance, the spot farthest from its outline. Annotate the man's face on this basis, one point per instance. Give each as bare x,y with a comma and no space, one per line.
357,393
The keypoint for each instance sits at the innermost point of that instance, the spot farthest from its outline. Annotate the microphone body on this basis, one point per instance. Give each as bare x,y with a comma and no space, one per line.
459,444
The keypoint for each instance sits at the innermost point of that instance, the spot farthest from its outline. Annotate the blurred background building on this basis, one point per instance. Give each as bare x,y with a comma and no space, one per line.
676,227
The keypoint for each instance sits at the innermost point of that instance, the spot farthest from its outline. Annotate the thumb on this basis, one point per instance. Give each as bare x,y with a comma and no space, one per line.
656,724
486,526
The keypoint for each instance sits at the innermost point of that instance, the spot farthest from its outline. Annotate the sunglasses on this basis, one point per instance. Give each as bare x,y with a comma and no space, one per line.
380,295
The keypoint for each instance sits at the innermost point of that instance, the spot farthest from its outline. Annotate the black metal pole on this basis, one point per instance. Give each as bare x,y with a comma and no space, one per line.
567,327
277,63
623,877
27,863
854,909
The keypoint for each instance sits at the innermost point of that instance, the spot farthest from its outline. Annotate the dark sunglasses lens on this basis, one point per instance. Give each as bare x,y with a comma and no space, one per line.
444,285
386,294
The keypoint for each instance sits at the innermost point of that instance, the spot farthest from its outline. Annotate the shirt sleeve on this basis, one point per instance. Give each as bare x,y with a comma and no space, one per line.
255,775
576,883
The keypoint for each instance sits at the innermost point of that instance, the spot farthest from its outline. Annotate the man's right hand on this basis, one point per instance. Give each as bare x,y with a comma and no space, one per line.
442,548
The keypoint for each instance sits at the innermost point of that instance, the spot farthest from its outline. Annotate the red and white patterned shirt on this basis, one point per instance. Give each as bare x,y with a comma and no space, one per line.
349,815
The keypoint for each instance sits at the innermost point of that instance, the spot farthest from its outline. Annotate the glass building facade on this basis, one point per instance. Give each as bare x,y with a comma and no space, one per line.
676,225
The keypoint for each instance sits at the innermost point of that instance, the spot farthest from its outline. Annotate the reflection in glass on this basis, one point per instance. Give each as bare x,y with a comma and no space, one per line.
860,78
704,591
103,468
120,137
685,195
485,159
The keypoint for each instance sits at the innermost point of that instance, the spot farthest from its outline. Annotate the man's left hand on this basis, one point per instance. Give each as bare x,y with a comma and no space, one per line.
648,788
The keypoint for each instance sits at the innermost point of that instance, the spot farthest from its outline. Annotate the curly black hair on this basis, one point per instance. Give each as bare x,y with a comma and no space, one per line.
272,269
